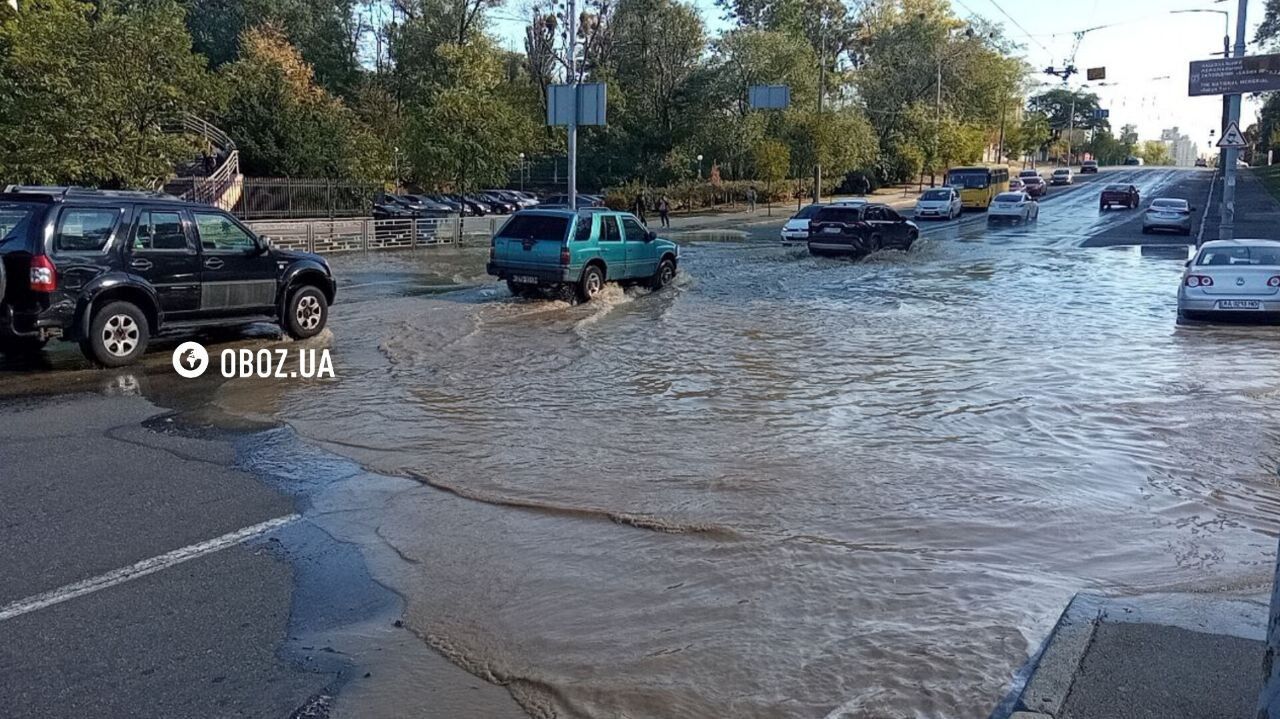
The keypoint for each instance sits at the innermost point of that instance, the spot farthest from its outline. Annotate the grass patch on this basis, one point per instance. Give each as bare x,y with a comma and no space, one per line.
1269,177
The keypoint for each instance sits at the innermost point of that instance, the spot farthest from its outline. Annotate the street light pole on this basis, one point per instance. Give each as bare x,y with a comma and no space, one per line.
522,172
699,168
817,128
1226,52
1227,228
572,21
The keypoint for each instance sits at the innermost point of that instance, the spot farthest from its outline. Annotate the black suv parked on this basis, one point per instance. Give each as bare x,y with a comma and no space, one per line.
111,269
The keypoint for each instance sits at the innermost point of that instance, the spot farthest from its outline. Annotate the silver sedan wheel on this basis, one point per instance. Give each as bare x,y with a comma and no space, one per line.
308,312
120,335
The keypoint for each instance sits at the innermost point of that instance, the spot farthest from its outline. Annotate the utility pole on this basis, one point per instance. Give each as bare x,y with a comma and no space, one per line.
1227,228
817,128
572,20
1071,126
937,124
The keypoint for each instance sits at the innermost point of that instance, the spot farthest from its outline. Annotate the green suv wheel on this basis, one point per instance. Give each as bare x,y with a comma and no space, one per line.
591,284
117,335
665,274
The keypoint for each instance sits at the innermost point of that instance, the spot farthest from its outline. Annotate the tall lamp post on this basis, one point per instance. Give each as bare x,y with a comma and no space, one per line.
522,172
699,168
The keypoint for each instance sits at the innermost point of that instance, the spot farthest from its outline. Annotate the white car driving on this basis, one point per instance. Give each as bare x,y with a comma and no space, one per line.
942,203
1062,176
1014,207
1232,279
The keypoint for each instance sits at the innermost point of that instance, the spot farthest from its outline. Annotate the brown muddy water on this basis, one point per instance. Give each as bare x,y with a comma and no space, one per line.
790,487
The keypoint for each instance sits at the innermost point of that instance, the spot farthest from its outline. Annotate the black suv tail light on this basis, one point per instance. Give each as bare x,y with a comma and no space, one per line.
44,276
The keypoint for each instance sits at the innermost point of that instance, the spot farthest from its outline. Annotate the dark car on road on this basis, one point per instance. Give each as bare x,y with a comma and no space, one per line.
856,230
1089,167
1123,195
110,270
1035,186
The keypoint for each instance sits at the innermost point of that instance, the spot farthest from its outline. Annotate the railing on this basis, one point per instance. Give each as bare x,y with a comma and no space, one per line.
188,123
353,235
212,190
268,197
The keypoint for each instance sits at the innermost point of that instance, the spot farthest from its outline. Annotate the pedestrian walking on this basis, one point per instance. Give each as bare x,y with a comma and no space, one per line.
639,206
751,199
864,185
664,211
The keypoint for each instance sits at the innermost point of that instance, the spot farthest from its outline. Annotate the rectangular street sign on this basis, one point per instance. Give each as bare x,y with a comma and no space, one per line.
1096,73
1101,114
1234,75
769,97
590,104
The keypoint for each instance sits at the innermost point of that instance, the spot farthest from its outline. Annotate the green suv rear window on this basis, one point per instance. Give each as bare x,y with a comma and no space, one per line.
536,227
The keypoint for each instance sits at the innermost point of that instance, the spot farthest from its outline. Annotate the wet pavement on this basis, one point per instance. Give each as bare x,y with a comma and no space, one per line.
785,486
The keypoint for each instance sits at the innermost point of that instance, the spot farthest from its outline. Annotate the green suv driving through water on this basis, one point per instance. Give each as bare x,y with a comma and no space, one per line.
574,254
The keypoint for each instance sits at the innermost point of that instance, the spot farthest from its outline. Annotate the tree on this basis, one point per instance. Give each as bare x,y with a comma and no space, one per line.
462,134
325,31
1129,139
841,141
1058,104
1155,152
771,160
84,103
1031,135
285,123
922,70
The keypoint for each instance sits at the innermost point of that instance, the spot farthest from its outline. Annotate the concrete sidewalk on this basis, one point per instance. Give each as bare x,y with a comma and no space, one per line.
1256,209
1163,656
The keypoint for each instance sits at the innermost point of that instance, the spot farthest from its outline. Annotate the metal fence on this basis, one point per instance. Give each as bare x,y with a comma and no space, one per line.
363,234
274,197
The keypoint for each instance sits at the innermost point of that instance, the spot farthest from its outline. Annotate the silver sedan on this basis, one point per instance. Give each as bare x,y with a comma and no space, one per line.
1232,279
1167,213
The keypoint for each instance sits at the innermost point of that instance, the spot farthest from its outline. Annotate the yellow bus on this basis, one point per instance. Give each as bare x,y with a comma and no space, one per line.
979,183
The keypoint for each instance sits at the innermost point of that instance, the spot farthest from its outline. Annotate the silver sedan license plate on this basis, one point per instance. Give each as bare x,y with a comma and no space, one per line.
525,279
831,230
1239,304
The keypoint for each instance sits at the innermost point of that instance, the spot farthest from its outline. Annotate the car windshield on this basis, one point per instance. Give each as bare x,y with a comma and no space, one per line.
936,195
1062,172
838,214
1028,173
1173,205
1116,188
15,218
972,179
1009,197
536,227
806,212
1265,255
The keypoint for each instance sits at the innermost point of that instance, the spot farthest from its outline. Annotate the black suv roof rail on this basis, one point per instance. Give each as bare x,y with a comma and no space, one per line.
58,192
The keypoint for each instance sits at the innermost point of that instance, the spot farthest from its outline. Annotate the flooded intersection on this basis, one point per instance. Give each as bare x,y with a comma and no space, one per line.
786,486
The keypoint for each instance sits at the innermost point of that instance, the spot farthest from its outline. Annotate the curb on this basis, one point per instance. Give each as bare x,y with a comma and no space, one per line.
1054,670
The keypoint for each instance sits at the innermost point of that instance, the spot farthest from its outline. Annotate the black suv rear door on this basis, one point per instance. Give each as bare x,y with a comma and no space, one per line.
162,250
891,226
237,273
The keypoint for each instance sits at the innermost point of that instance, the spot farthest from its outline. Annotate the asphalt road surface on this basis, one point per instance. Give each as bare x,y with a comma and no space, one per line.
169,548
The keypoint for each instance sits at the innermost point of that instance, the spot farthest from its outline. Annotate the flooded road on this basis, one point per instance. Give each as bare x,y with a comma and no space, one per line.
795,487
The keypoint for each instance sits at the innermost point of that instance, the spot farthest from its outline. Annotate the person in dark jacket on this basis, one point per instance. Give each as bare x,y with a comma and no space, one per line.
664,211
639,206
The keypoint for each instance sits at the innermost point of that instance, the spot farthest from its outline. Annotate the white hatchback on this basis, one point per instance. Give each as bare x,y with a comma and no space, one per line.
796,229
1013,207
1232,279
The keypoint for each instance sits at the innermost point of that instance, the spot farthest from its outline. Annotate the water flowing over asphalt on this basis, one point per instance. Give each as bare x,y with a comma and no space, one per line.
798,487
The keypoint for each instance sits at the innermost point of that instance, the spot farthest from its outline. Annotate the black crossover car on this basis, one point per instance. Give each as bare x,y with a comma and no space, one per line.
857,229
110,270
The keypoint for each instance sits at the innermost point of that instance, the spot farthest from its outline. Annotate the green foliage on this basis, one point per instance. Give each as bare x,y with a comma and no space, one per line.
285,123
323,30
461,132
83,101
1155,152
771,160
841,141
1058,104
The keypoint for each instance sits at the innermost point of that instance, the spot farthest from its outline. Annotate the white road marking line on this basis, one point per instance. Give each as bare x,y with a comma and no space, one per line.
140,569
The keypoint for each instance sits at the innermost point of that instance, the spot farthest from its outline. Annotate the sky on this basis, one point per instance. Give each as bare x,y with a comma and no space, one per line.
1144,46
